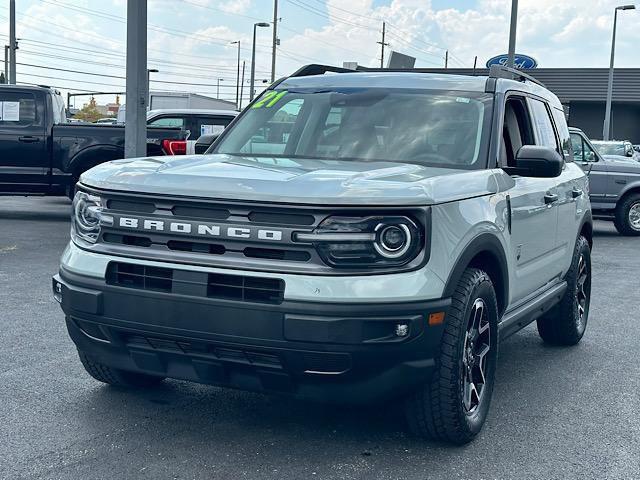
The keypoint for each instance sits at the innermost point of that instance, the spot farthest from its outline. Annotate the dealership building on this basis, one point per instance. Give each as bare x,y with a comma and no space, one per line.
583,92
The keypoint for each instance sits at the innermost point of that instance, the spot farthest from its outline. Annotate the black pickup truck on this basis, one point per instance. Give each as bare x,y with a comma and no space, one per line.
42,154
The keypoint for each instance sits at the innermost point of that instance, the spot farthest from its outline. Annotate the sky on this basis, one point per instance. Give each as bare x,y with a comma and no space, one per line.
79,45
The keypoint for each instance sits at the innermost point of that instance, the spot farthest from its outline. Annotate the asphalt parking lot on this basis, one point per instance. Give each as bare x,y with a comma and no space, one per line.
556,413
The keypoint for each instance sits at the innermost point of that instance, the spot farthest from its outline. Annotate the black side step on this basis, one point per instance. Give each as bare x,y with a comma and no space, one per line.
522,316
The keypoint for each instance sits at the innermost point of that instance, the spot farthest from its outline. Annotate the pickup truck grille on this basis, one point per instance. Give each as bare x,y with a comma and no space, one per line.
200,284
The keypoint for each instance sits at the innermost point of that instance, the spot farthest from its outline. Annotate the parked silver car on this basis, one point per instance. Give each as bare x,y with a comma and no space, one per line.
614,182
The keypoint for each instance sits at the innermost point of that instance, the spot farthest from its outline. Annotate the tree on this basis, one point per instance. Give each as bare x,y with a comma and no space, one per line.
89,112
2,79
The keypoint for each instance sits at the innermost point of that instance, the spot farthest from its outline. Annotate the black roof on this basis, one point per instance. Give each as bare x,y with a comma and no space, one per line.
576,84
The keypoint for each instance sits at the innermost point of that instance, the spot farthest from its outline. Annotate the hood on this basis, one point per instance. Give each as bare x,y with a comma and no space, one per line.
618,163
290,180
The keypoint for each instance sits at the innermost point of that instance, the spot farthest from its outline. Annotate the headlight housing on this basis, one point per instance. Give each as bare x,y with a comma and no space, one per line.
87,217
366,242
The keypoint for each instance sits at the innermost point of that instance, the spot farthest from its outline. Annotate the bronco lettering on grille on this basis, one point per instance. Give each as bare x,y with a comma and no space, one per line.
201,229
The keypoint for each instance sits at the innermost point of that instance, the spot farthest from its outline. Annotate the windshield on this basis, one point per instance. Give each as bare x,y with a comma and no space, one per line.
610,148
447,129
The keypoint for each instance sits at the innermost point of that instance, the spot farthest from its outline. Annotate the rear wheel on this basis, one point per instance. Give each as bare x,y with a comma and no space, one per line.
454,404
627,216
566,322
117,377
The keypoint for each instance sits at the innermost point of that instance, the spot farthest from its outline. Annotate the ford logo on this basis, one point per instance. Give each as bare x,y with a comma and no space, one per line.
520,61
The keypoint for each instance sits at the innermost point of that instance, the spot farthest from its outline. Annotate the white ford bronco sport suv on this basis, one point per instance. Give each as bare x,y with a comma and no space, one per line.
353,236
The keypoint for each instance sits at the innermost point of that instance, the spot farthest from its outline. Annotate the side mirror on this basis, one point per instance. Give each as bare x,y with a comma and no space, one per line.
537,161
204,142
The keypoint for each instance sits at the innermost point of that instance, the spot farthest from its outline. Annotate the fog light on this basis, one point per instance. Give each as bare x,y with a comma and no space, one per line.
402,330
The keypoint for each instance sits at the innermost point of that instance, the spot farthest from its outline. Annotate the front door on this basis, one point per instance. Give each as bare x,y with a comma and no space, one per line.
534,211
24,164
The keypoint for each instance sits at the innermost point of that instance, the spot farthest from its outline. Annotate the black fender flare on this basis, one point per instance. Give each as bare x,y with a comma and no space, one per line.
485,243
587,219
93,156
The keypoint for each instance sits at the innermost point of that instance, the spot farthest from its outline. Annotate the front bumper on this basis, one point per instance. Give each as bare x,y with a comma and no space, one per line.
335,352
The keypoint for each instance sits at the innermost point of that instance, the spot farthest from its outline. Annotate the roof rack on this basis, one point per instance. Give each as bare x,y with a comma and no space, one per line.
317,69
500,71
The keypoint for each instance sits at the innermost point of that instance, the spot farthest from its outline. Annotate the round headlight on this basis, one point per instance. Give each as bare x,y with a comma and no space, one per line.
392,241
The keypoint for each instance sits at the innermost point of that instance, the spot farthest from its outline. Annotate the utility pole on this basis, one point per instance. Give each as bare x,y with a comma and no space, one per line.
446,59
6,64
383,44
275,40
135,130
512,33
12,41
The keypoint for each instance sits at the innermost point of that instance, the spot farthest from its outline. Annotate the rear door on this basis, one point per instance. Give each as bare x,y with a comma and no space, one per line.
24,163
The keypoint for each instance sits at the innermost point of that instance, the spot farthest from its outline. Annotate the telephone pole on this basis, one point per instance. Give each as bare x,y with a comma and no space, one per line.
383,44
275,40
446,59
12,42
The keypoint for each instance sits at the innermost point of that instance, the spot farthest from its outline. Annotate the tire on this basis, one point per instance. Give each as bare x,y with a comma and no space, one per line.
566,322
627,216
440,410
117,377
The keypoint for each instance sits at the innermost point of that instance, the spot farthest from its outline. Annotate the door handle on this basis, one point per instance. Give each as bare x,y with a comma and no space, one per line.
576,192
550,198
28,139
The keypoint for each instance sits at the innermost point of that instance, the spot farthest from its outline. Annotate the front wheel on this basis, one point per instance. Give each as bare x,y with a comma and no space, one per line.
454,404
566,322
627,216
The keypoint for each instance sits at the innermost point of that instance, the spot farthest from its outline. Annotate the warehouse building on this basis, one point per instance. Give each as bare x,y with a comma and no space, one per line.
583,92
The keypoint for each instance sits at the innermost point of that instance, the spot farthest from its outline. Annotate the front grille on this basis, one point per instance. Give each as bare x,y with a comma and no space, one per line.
221,286
227,234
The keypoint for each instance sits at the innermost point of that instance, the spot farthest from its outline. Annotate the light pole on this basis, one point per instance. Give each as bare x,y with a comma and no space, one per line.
238,76
253,57
512,33
218,89
607,111
149,72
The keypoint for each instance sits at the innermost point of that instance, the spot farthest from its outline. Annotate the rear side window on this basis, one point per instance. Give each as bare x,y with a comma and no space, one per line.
563,133
20,109
167,122
544,127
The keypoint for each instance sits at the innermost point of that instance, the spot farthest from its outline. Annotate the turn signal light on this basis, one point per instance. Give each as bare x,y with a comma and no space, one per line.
436,318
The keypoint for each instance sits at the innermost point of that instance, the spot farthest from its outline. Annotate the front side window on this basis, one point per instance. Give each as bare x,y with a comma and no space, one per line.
447,129
582,152
544,127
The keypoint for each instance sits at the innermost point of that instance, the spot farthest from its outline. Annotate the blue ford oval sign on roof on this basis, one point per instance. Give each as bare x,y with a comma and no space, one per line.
520,61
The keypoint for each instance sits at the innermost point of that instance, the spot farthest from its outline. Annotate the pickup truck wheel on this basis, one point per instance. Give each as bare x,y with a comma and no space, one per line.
117,377
566,322
454,404
627,216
